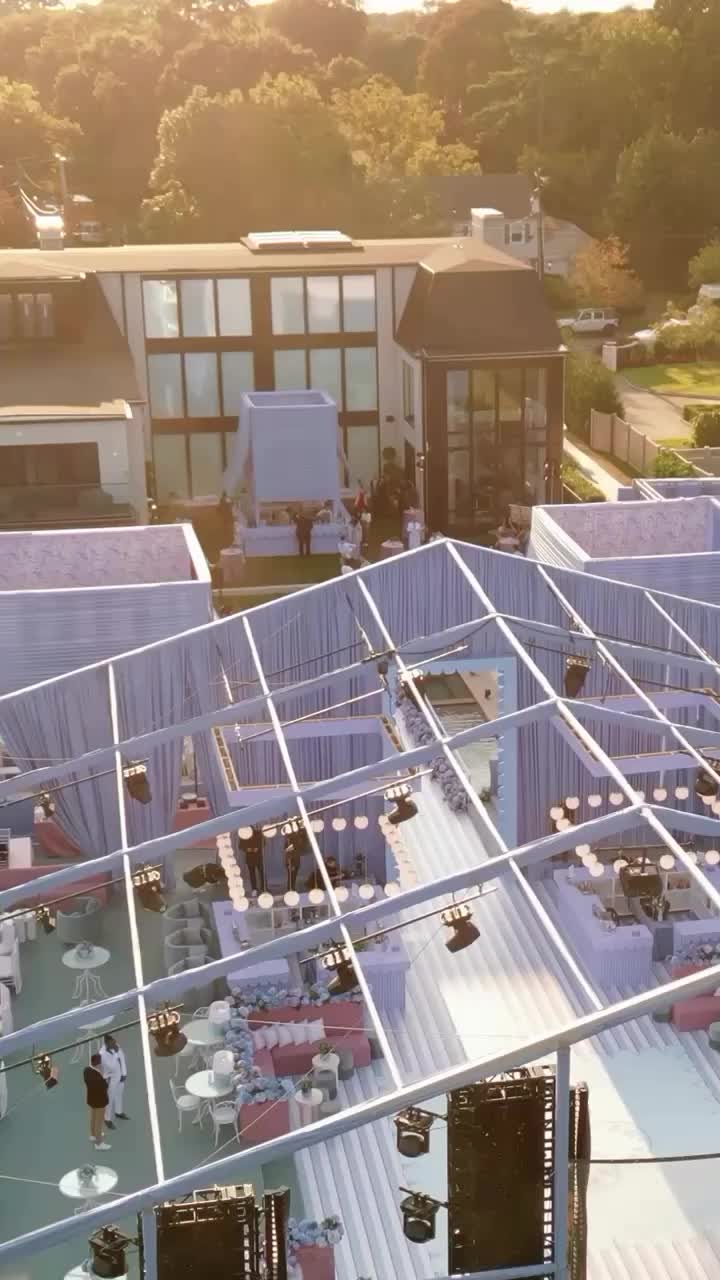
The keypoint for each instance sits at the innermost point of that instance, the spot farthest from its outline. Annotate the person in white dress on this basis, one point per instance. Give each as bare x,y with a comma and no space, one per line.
114,1069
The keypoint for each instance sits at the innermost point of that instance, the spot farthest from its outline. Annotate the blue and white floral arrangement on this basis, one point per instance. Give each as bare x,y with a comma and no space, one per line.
422,735
306,1231
259,1088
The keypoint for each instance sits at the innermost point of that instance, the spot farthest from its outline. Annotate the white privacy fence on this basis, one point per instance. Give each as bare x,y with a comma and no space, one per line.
612,435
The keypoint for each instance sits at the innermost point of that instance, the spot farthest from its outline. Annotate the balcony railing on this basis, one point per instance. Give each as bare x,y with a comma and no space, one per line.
55,506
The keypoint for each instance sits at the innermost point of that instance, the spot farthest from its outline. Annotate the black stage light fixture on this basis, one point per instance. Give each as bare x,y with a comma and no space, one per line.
464,932
43,1067
107,1247
135,777
405,808
45,919
704,786
641,879
339,963
413,1132
214,873
46,804
419,1213
146,883
164,1027
576,671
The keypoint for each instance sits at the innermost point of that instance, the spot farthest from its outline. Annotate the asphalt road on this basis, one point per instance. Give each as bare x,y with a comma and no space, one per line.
655,416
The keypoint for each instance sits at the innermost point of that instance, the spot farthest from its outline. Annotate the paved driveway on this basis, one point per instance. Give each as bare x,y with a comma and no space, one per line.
655,416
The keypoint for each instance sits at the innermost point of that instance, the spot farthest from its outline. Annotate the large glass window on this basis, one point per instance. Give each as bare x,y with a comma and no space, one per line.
510,396
360,379
288,304
206,463
160,304
165,380
323,302
408,392
234,312
359,303
290,372
325,372
362,454
201,384
458,407
238,375
197,298
171,471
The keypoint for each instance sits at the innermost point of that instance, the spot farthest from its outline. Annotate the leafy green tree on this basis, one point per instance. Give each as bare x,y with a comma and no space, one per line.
601,276
392,134
230,164
30,134
588,385
670,466
236,58
393,54
704,268
466,42
331,28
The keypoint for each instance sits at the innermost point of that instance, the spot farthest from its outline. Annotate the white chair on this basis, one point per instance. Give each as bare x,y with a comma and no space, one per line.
7,937
223,1065
219,1014
224,1113
202,1012
6,1017
10,968
185,1103
189,1057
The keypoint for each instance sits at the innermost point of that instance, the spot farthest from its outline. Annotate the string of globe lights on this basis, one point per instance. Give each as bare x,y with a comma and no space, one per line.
227,868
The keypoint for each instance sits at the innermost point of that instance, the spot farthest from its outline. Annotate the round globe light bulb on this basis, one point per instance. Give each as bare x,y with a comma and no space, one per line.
692,855
682,793
392,888
366,892
240,904
317,825
660,793
594,801
572,802
582,849
615,797
562,824
667,862
291,898
316,896
342,893
708,801
245,832
556,812
589,859
339,824
712,858
266,901
596,869
270,832
361,822
618,864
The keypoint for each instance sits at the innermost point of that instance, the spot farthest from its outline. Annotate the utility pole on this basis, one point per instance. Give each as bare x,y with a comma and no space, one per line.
61,162
538,211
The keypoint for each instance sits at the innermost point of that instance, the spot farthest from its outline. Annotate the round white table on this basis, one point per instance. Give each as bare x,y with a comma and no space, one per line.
307,1107
88,986
105,1180
204,1085
97,1025
204,1033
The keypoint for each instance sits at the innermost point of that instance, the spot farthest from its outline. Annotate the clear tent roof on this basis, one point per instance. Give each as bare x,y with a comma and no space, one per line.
628,744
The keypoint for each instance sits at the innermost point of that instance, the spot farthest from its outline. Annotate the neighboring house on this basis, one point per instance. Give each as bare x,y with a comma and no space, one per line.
443,350
66,381
562,241
450,198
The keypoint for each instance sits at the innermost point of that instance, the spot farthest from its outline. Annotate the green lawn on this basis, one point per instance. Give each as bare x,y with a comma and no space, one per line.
702,379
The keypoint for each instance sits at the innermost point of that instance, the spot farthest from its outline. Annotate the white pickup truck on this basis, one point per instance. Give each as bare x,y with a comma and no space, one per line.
591,320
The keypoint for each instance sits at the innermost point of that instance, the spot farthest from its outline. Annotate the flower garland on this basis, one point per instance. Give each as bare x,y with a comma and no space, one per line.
271,997
306,1231
422,735
703,950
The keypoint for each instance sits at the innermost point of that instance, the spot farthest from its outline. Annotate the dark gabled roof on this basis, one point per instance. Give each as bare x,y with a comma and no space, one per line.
454,195
91,377
463,303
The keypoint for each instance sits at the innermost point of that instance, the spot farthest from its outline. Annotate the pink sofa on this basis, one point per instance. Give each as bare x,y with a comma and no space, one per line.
344,1028
260,1121
696,1013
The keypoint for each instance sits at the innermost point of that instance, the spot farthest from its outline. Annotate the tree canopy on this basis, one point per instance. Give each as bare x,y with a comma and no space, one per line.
620,112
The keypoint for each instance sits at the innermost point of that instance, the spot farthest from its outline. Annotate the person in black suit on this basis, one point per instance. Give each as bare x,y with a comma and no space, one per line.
97,1099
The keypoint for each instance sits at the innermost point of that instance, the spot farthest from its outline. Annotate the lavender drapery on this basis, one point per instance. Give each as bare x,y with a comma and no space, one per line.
151,692
57,721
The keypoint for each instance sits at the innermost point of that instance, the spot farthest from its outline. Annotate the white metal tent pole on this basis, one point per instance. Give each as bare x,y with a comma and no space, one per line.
379,1108
135,938
319,862
549,930
675,626
561,1170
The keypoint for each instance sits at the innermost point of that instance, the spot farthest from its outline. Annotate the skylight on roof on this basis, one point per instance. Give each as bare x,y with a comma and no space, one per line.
267,241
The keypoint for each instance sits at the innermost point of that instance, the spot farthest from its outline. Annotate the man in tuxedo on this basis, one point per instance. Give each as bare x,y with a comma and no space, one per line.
114,1069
